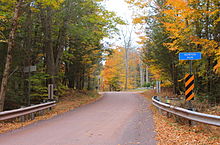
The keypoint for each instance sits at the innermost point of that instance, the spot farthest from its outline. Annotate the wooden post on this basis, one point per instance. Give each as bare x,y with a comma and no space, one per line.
50,92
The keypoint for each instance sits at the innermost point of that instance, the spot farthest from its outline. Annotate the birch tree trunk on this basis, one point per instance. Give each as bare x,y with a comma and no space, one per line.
126,68
141,74
127,36
147,75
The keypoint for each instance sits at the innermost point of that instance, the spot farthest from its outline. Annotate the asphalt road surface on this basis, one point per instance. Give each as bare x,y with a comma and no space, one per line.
118,118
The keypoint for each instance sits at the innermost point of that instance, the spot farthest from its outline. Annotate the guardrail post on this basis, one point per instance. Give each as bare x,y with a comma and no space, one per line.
158,98
42,112
32,116
22,118
191,123
168,115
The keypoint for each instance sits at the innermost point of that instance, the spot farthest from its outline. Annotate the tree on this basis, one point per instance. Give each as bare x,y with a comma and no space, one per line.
61,38
182,26
127,37
11,43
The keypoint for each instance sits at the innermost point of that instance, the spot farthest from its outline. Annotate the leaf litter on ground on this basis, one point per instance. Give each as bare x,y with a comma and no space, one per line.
171,132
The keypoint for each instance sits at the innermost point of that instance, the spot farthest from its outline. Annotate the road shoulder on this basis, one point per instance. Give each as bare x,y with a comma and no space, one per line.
70,101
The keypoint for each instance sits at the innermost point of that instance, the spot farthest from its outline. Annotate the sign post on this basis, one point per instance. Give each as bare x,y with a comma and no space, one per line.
189,85
189,78
29,70
50,91
158,87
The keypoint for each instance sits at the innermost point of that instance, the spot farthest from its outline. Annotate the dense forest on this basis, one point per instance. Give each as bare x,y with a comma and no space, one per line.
59,42
51,42
174,26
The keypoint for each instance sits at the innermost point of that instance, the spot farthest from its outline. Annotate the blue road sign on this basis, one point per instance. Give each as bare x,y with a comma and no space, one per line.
190,55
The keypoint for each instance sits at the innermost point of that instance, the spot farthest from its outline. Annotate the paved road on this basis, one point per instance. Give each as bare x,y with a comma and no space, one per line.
118,118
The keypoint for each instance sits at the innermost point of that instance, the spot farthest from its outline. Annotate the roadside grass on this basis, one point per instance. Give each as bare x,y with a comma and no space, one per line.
171,132
71,100
137,90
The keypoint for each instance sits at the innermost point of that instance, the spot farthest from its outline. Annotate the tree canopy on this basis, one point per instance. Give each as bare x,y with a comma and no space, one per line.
60,38
178,26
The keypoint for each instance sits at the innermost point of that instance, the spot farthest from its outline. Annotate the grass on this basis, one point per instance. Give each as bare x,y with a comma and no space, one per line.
137,90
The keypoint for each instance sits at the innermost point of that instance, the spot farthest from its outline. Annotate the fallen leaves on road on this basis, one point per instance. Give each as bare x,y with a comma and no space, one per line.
70,101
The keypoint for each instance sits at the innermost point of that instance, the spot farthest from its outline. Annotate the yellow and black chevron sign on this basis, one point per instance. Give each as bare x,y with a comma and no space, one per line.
189,85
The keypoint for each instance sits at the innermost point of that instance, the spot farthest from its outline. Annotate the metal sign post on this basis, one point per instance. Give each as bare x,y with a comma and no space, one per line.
189,78
50,92
158,88
29,70
189,82
190,68
189,85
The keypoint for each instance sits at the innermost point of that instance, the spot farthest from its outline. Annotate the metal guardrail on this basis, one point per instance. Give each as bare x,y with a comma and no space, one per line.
191,115
25,111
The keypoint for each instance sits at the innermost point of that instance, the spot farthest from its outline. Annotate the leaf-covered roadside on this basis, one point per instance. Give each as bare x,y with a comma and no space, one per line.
171,132
70,101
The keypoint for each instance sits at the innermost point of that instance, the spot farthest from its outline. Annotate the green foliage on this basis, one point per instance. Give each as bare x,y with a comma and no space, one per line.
39,90
180,26
62,89
71,31
150,84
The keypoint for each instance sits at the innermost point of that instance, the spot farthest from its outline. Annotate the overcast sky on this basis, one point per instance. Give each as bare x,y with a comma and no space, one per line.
121,8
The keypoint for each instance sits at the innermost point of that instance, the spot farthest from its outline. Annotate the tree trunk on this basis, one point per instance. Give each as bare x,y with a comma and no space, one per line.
89,82
11,44
126,67
141,74
48,44
147,75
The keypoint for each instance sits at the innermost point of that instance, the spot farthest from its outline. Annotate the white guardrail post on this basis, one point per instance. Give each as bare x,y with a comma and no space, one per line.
191,115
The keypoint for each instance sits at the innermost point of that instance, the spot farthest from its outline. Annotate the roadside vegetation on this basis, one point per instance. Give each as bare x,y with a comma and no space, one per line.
60,42
55,42
174,26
